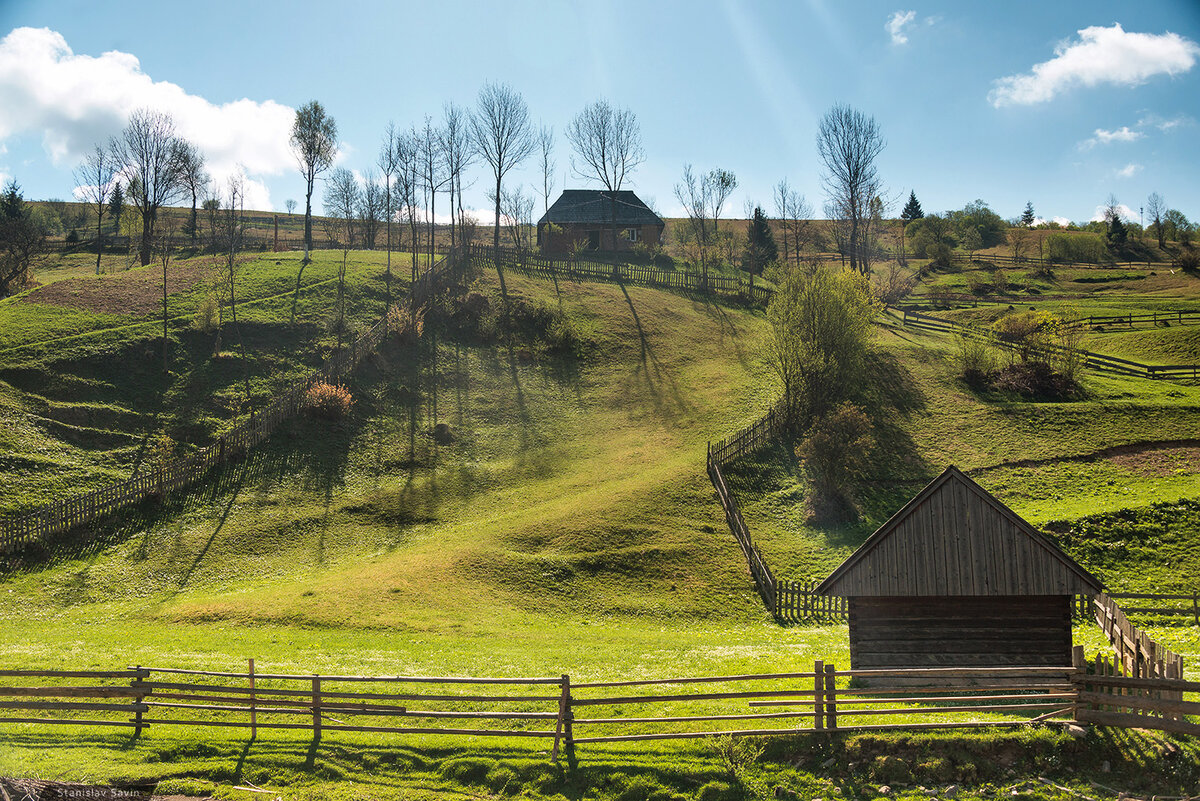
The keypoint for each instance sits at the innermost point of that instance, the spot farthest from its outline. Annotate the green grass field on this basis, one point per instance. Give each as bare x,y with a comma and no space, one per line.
567,527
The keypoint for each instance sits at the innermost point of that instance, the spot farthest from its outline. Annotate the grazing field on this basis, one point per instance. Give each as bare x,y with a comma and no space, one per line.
561,524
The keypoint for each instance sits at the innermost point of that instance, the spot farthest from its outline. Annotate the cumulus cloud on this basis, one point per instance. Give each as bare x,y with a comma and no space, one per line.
1126,213
1103,137
1100,56
898,23
1129,170
76,101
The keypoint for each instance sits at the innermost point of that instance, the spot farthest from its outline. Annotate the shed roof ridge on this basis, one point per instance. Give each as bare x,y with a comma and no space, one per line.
953,472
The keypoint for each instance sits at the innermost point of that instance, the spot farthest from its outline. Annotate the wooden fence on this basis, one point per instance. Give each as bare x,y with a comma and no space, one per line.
1106,697
764,579
1091,359
63,515
588,269
1138,655
555,710
1174,607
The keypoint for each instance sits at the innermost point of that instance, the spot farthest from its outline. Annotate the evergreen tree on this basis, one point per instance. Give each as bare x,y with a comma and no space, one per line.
1117,232
912,209
1027,218
116,205
760,244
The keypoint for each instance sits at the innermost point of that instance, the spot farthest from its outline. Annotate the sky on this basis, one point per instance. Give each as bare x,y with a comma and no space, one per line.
1058,103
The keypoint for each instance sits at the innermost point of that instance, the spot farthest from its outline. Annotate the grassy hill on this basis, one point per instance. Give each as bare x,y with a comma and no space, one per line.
566,526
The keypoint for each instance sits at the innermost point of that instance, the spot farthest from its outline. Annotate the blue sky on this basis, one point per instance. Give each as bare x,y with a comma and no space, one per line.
1061,103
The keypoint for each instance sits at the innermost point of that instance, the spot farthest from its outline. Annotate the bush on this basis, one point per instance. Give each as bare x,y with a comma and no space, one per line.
407,322
205,318
1083,248
976,360
1029,331
942,257
331,401
835,452
1189,260
1035,381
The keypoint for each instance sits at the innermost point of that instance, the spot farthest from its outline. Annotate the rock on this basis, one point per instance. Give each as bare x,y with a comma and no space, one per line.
885,790
829,763
1077,731
951,791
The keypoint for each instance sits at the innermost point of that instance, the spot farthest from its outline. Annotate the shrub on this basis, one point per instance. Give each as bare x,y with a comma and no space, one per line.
942,256
835,452
1029,331
1189,260
205,318
331,401
1085,248
407,322
976,360
1035,381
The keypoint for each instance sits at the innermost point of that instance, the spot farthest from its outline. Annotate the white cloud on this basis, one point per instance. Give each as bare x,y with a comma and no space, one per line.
76,101
1063,221
1103,137
1101,55
1129,170
1165,125
897,23
1126,213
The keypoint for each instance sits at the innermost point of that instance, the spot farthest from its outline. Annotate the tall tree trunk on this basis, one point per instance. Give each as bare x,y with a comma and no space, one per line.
308,220
99,235
496,245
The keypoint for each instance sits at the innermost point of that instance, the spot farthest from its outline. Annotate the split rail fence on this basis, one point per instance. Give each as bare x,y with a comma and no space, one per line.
1096,361
556,710
63,515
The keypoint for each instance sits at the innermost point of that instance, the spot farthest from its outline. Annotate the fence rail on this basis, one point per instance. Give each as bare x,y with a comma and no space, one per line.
550,708
1091,359
63,515
1137,653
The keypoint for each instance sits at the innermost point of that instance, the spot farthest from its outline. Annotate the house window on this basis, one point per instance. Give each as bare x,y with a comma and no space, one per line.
593,240
631,234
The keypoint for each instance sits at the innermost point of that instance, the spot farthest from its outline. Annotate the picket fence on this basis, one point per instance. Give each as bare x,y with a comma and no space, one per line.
39,524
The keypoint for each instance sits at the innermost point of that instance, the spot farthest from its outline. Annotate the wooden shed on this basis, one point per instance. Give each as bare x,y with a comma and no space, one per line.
956,578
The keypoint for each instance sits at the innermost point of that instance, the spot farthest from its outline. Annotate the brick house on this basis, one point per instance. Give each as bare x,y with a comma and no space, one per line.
586,215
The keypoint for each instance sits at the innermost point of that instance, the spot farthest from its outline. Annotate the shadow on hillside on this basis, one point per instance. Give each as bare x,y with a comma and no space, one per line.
730,337
663,391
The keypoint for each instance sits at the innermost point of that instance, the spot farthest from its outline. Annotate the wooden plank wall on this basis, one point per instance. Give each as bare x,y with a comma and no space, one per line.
898,632
61,516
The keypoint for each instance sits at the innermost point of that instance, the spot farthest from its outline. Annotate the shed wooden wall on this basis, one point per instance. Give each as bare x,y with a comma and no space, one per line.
959,631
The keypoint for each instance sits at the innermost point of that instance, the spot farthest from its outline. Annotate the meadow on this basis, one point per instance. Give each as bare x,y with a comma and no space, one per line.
566,525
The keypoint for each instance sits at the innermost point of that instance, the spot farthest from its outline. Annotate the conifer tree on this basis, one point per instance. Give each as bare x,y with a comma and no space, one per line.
912,209
760,244
1027,218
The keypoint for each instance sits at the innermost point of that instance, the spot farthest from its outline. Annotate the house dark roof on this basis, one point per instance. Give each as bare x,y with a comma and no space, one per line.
955,538
594,206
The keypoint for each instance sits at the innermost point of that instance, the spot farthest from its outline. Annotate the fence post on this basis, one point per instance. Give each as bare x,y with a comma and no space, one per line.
564,721
819,694
316,701
253,705
830,696
138,725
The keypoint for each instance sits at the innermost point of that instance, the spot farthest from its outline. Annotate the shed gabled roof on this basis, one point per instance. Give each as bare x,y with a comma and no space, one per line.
955,538
593,206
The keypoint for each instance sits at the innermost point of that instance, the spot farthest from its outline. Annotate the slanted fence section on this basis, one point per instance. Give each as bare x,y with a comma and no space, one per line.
557,711
586,268
1138,655
1090,359
63,515
1110,699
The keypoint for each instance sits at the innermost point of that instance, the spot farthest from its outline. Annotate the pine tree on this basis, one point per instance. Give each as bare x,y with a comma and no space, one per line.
1117,232
912,209
1028,218
760,244
116,205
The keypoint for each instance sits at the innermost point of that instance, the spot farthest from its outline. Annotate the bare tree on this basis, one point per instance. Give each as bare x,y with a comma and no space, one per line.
372,201
848,143
794,213
546,163
517,208
434,176
149,152
231,231
389,163
407,178
290,205
314,143
608,144
503,137
1156,207
95,180
194,178
455,143
720,185
342,199
166,250
703,197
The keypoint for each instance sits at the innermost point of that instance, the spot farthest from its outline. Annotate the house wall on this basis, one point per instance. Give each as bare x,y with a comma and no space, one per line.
959,631
562,242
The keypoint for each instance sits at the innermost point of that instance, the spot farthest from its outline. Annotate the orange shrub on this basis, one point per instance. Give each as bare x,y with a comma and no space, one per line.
331,401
